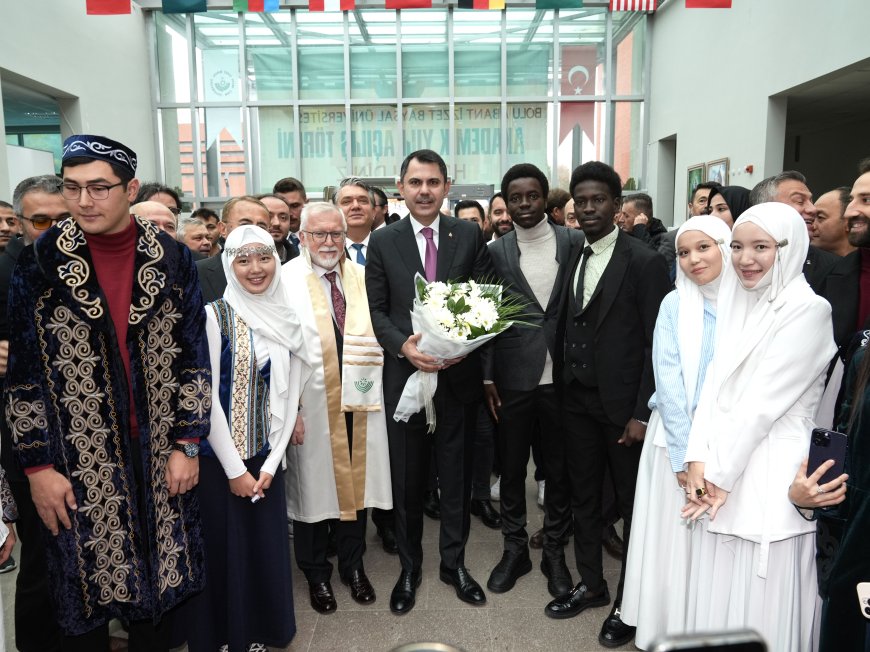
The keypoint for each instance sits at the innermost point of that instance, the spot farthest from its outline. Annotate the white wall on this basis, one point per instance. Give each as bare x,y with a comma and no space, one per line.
714,72
97,67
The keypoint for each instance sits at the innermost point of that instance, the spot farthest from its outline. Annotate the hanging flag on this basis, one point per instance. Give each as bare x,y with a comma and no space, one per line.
409,4
255,6
558,4
107,7
184,6
481,4
331,5
633,5
708,4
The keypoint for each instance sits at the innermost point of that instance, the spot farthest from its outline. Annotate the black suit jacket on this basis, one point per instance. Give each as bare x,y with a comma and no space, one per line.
517,357
393,260
842,289
630,291
818,265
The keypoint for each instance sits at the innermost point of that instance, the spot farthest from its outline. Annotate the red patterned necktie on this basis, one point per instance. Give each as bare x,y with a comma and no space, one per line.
338,304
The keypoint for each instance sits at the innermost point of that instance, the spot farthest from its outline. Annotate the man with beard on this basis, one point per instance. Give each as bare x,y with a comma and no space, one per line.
279,226
498,219
293,193
339,464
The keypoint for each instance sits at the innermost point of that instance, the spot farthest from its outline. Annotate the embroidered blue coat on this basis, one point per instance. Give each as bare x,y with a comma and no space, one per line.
69,407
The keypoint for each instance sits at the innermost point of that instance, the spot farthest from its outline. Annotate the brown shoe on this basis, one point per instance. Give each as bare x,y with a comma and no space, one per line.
361,590
537,540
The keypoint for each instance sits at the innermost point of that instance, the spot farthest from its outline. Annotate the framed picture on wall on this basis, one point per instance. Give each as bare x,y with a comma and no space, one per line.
718,171
694,176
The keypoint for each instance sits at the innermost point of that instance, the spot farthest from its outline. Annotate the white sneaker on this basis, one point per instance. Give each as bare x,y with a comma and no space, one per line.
495,490
541,493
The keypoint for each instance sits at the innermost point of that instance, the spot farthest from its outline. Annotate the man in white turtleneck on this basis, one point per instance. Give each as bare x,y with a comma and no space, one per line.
519,378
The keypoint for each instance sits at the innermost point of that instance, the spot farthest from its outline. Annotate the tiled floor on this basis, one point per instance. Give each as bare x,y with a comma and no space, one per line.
510,621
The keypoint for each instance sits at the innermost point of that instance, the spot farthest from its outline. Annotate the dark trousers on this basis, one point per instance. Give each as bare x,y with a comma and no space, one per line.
309,544
36,629
522,414
590,446
383,518
483,453
410,451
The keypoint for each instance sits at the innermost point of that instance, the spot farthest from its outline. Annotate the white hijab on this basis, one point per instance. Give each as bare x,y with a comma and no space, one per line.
690,321
745,315
268,316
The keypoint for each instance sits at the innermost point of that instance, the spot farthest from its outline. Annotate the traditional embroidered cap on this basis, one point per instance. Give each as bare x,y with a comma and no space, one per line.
100,148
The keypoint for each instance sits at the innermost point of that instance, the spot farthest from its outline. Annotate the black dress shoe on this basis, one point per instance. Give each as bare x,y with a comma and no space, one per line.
432,505
559,582
388,539
489,517
513,565
576,601
467,589
614,632
322,597
536,541
361,590
404,593
612,543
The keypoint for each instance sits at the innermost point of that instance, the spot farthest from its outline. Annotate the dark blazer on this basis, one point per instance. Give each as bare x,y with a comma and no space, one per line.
630,291
393,260
818,265
517,357
842,289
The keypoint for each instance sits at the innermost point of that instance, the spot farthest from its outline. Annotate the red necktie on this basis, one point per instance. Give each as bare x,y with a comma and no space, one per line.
338,304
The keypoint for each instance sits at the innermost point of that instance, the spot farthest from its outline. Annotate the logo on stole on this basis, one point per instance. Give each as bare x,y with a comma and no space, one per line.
363,385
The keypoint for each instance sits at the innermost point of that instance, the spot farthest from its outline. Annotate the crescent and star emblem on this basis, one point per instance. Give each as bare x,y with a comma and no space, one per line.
578,90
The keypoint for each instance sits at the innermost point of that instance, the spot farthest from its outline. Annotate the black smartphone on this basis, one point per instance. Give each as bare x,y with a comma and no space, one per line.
736,641
827,445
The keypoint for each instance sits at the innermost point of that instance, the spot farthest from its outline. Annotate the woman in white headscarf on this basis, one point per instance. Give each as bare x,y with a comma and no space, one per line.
751,432
658,555
256,349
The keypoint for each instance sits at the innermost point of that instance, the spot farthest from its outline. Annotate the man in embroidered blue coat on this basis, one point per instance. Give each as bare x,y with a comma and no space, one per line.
109,393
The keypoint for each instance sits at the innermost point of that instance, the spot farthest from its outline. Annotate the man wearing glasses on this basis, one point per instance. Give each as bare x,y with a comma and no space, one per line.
340,464
109,391
38,204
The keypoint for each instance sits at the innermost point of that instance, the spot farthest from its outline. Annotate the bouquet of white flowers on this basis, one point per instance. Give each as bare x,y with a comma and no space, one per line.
453,319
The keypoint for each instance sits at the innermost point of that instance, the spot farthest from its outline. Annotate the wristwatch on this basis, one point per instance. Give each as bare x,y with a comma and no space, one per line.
188,448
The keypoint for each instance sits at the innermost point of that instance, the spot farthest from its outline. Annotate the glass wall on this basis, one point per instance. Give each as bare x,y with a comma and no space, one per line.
324,95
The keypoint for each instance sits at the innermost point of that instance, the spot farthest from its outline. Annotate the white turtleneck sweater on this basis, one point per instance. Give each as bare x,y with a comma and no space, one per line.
538,264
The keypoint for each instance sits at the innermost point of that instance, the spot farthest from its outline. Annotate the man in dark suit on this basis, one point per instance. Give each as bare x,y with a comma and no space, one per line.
440,248
614,286
236,212
531,260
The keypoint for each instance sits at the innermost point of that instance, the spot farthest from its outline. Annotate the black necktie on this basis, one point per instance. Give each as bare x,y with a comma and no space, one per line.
587,253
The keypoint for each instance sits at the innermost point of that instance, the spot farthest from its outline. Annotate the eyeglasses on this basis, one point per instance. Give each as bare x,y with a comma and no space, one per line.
320,236
95,190
42,223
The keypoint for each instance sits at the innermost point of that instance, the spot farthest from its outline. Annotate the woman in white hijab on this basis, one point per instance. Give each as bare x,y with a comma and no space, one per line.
658,555
751,432
255,344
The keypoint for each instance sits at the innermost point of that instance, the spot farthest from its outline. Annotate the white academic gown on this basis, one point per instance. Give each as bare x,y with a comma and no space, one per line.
310,478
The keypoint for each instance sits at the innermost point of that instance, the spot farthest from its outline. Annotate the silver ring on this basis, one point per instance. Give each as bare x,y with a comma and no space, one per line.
819,490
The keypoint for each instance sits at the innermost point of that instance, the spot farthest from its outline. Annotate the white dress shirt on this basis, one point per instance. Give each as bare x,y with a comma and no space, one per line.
421,239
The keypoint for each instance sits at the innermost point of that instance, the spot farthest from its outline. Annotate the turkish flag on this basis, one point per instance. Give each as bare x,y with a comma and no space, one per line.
107,7
708,4
578,80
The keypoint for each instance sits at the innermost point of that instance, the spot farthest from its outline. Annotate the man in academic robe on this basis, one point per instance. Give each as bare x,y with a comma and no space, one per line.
339,463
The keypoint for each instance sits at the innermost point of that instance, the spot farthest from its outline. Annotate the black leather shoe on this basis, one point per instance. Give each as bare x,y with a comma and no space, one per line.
488,516
559,582
388,539
432,505
614,632
513,565
467,589
578,600
403,597
322,597
612,543
361,590
536,541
